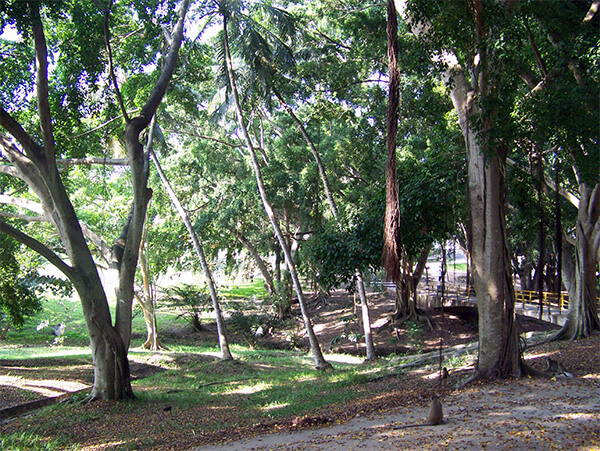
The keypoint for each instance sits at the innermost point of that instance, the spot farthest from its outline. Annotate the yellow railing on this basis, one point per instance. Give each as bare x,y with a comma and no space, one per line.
560,301
548,298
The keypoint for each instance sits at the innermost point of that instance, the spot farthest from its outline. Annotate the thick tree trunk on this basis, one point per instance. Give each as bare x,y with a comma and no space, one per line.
37,166
582,318
498,339
320,361
406,288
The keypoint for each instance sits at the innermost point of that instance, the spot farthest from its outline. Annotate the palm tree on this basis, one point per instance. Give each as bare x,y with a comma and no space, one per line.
234,12
268,55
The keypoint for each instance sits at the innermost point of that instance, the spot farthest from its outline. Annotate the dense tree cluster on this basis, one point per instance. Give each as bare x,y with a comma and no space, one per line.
306,140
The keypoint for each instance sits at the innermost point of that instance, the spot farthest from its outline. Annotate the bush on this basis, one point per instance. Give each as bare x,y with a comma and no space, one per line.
17,299
192,300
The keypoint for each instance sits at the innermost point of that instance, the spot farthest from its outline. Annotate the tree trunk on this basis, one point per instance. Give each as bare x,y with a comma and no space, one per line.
392,244
112,379
277,266
334,211
498,339
320,361
582,318
262,266
221,329
146,301
315,153
366,318
37,167
539,169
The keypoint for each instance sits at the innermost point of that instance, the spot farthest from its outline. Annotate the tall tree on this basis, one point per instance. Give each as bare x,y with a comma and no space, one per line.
198,248
35,163
392,241
476,96
228,12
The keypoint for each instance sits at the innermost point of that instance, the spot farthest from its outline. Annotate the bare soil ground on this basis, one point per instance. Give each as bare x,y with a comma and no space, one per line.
517,414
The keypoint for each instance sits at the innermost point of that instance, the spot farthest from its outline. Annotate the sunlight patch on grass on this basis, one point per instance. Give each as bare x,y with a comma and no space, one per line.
46,387
251,389
275,406
344,358
44,351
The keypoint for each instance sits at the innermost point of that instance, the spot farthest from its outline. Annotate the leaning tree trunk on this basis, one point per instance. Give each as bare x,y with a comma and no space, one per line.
582,318
262,266
370,348
221,329
320,361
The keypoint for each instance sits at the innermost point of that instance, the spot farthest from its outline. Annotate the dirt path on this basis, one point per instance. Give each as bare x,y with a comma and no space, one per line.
524,414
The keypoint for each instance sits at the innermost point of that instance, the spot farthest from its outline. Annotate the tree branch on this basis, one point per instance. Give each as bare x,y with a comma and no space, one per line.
36,207
9,170
38,247
111,67
24,168
574,200
108,122
536,51
198,135
41,80
23,217
16,131
22,203
105,249
165,75
88,161
594,7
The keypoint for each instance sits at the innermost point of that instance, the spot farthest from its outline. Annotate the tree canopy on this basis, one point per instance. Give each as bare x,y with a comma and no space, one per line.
273,126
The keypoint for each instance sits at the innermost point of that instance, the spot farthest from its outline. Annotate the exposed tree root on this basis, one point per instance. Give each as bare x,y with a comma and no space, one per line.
473,378
325,367
149,345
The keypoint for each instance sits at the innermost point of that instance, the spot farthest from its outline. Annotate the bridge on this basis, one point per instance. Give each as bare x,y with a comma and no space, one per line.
554,305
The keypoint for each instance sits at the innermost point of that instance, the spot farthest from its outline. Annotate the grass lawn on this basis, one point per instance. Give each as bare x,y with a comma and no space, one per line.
201,394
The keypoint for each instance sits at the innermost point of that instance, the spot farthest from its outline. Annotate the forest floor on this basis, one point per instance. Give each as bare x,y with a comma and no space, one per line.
540,413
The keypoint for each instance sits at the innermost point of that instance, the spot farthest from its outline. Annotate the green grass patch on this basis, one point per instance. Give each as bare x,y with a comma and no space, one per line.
25,441
36,352
457,266
259,384
196,391
255,289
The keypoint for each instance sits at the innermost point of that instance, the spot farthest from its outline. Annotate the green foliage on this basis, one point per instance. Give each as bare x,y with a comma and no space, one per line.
17,299
192,300
250,290
334,252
